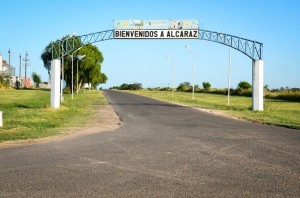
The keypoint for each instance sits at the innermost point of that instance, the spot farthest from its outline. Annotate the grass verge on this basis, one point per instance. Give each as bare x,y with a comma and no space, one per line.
275,112
27,113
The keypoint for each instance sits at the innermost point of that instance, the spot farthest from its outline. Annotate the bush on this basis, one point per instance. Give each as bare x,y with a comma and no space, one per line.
135,86
206,86
18,84
244,85
288,95
36,79
5,80
124,86
185,86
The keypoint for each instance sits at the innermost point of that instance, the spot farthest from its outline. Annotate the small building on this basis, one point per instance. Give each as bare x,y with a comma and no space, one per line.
87,86
26,82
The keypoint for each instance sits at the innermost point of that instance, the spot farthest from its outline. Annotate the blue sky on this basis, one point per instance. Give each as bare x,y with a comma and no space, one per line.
32,24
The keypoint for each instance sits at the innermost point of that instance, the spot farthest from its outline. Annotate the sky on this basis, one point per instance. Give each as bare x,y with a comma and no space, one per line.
32,24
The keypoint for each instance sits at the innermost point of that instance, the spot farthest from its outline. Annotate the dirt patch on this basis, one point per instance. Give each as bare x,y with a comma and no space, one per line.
105,119
222,114
213,111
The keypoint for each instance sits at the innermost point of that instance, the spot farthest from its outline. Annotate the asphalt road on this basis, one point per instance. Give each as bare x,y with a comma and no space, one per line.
160,150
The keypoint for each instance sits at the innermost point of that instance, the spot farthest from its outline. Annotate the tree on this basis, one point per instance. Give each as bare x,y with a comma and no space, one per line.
266,87
46,57
135,86
206,85
36,79
89,67
18,84
124,86
5,80
244,85
185,86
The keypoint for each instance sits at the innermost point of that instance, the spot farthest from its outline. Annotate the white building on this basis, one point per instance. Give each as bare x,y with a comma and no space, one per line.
4,67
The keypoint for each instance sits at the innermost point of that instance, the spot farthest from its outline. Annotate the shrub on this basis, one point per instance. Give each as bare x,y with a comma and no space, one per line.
135,86
206,86
36,79
185,86
124,86
244,85
5,80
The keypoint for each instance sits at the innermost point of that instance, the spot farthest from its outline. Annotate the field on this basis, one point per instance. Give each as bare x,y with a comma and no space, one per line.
277,112
27,113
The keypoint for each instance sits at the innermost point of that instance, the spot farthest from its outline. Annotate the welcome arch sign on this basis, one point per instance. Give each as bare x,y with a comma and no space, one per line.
161,29
156,29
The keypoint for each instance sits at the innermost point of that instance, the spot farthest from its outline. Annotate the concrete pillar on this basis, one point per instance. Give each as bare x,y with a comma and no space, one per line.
55,84
258,85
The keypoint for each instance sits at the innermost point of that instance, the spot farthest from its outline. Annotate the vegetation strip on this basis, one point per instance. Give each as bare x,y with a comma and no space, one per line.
276,112
27,113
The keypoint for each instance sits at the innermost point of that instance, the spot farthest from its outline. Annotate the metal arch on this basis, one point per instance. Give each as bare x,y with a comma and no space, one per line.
250,48
78,41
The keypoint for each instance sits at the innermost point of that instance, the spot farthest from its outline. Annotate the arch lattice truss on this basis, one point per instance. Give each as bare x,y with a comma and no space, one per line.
250,48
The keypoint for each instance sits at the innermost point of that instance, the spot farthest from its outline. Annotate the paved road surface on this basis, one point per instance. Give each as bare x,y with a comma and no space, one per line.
161,150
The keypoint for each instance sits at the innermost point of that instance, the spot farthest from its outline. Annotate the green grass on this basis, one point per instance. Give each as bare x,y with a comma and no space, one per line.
27,113
277,112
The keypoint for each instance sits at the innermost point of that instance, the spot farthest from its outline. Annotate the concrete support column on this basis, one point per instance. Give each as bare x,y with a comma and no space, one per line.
258,85
55,84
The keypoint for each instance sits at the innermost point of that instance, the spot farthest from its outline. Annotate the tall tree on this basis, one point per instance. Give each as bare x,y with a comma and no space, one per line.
89,67
46,57
36,79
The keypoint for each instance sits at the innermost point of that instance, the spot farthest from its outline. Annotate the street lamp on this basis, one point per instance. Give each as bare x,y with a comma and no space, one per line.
194,56
72,86
62,64
79,57
173,74
229,66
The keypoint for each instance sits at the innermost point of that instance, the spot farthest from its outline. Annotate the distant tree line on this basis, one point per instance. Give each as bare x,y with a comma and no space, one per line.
243,89
125,86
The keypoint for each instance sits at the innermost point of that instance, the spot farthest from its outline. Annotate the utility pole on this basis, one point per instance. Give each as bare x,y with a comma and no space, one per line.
26,64
20,70
229,67
9,61
62,72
